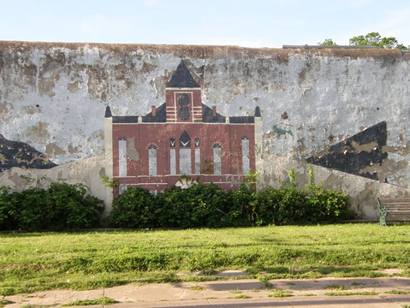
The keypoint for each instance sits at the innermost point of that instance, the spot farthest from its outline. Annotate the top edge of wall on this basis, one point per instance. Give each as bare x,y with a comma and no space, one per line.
206,51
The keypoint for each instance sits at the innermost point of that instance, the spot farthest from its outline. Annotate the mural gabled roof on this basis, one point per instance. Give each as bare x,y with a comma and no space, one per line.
182,78
208,115
125,119
160,115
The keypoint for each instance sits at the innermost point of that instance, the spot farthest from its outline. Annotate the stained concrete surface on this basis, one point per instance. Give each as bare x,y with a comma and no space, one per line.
237,293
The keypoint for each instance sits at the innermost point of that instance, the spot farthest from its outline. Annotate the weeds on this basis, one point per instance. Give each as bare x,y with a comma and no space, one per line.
280,293
89,302
351,293
398,292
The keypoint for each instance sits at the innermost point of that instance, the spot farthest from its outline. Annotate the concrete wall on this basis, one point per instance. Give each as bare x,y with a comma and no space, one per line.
53,97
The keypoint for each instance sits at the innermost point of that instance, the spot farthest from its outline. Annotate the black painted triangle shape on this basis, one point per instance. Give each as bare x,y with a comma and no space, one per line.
357,154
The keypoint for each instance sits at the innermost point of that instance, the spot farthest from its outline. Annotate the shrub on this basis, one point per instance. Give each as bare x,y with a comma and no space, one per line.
75,204
134,208
33,212
327,205
210,206
241,207
7,210
266,201
280,206
64,206
197,206
61,206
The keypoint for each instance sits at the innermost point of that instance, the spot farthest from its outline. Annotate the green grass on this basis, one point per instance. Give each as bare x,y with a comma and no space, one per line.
398,292
4,302
88,302
40,261
351,293
280,293
241,296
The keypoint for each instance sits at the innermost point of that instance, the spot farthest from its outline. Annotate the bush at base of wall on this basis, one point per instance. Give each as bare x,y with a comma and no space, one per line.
63,206
60,207
210,206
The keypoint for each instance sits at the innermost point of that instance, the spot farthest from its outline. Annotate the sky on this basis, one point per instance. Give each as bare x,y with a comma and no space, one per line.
250,23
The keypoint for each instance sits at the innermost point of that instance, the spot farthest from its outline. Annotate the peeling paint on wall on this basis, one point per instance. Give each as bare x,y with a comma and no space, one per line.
52,97
19,154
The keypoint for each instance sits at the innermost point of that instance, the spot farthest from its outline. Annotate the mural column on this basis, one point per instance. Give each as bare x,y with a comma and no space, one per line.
108,158
258,147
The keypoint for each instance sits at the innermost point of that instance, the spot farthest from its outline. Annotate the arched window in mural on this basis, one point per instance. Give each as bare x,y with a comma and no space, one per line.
122,157
245,155
152,160
217,157
172,157
185,154
197,156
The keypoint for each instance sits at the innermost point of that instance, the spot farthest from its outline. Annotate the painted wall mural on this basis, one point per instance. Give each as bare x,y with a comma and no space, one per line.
22,155
182,137
344,111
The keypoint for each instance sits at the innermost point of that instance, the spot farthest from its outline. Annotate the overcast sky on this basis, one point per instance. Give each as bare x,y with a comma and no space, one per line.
253,23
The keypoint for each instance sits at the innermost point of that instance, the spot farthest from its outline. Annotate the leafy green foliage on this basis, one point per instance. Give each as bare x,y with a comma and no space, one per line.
134,208
199,205
7,210
210,206
374,39
107,182
241,207
328,43
61,206
327,205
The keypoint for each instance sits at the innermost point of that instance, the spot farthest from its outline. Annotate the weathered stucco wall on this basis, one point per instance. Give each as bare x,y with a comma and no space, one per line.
53,97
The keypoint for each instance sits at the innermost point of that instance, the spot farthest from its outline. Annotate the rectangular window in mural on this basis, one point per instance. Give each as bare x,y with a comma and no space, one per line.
172,162
122,157
197,161
185,161
245,155
217,151
152,161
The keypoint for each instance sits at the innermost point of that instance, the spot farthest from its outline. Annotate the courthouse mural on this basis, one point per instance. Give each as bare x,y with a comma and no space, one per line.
181,138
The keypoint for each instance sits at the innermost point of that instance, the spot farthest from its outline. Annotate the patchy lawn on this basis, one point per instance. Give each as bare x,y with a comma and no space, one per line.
40,261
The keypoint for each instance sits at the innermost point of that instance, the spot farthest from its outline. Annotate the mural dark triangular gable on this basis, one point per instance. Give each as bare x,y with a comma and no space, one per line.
354,154
182,78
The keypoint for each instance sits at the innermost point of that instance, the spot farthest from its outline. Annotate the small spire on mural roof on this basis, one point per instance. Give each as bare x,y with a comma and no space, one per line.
108,113
257,112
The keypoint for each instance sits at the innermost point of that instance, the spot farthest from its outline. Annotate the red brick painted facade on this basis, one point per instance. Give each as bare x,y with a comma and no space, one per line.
149,151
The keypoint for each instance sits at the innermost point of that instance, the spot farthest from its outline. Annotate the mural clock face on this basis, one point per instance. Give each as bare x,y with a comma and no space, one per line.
183,106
